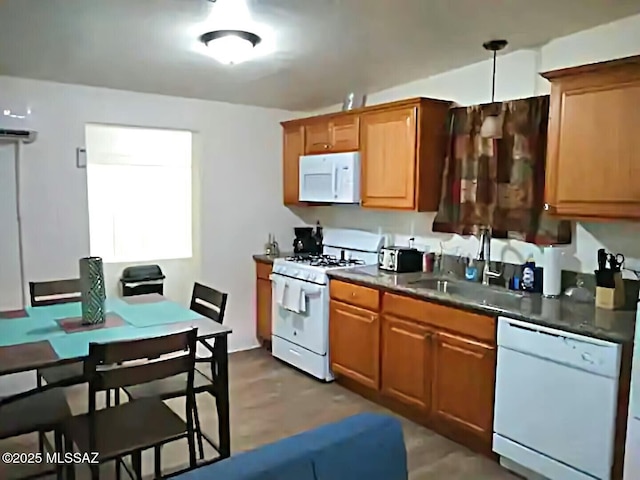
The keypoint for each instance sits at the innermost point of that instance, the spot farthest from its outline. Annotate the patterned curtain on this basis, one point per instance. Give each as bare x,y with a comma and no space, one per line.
499,182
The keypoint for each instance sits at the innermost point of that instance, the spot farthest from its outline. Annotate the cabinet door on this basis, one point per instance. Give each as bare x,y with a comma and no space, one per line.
464,382
388,149
593,163
354,343
263,309
293,147
317,137
406,362
345,133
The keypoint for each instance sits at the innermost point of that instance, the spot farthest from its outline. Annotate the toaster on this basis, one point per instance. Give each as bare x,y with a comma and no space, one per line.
400,259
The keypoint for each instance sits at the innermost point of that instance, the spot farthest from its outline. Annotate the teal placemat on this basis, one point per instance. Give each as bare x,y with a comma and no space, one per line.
151,314
29,329
76,345
63,310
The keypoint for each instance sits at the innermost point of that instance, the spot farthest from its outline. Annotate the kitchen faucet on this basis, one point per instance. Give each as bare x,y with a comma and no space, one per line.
484,254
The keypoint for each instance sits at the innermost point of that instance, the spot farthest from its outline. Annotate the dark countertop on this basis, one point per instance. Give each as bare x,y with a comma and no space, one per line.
581,318
261,257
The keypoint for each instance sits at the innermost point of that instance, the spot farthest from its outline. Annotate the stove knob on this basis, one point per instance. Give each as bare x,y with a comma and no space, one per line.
296,273
310,276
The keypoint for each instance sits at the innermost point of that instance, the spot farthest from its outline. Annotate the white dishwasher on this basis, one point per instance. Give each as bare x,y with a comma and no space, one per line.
555,405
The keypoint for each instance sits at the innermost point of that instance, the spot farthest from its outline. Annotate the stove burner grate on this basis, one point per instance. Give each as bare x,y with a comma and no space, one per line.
324,261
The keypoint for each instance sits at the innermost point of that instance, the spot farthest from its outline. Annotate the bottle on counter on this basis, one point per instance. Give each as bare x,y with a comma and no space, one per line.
427,262
318,237
275,248
268,246
528,275
471,271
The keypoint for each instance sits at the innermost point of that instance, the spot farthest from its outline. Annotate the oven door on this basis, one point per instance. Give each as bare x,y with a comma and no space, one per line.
317,178
310,328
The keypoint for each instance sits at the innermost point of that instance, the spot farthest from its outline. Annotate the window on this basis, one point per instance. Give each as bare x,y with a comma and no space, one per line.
139,192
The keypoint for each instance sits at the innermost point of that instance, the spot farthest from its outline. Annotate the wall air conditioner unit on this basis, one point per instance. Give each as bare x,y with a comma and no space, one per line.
12,135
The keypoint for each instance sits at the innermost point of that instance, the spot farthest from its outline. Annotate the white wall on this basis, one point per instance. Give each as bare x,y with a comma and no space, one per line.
517,77
240,180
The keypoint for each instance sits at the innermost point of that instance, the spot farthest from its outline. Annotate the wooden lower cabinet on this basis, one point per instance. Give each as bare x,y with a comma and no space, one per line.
354,343
463,383
406,362
263,302
433,363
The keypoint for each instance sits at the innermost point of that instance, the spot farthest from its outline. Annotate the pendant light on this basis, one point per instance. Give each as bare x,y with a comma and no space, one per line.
492,125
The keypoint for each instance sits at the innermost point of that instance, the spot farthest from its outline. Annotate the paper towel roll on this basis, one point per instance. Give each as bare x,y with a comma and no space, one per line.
552,272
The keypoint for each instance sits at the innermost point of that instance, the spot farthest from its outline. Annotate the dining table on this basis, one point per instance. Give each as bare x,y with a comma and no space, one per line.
40,337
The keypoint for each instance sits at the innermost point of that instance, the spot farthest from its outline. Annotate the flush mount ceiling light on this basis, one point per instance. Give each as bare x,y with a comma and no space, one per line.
491,125
230,47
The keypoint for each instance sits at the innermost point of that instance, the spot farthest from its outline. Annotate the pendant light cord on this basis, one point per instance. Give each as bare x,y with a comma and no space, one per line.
493,78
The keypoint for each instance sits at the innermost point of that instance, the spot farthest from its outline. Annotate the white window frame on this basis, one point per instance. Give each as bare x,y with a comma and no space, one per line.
111,151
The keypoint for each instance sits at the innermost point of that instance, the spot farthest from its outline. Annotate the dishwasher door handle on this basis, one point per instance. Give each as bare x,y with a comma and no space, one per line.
535,330
505,324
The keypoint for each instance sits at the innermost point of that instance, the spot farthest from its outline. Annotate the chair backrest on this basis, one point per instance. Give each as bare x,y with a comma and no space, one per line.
54,292
208,302
120,364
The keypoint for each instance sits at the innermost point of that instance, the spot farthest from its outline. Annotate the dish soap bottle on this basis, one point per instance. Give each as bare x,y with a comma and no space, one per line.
528,275
471,271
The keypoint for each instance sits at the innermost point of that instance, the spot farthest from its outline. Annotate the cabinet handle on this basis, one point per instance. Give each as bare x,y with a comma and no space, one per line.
546,206
326,146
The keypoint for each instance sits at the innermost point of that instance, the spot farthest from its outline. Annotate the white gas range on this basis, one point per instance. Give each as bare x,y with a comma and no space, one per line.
300,314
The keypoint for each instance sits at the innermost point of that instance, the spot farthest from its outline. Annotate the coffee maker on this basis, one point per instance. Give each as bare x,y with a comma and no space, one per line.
308,242
304,242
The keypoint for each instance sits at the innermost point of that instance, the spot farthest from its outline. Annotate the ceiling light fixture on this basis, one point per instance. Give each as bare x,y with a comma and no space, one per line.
230,47
491,125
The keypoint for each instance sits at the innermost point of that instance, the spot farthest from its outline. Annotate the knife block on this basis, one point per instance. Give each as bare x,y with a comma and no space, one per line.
611,298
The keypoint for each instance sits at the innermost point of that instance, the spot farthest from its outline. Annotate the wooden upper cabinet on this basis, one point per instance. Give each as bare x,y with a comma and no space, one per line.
317,137
332,135
389,158
293,147
402,148
593,153
402,153
345,133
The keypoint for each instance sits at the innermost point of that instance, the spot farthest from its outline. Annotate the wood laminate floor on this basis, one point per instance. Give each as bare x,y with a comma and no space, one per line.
270,401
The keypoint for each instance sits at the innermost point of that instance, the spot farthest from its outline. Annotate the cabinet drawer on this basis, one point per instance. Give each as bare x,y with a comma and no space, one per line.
447,318
363,297
263,270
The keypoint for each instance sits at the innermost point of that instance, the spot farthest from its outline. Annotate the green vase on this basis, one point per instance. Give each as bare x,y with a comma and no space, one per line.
93,291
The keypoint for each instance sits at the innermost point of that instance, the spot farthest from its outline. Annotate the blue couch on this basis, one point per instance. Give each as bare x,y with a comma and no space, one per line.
365,446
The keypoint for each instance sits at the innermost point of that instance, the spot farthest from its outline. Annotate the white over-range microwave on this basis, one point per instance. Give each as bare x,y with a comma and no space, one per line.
330,178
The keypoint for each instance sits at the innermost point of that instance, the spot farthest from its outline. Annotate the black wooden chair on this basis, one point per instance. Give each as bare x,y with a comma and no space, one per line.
130,428
38,411
54,293
212,304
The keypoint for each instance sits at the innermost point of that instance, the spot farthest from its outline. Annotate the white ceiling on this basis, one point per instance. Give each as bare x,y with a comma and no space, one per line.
324,48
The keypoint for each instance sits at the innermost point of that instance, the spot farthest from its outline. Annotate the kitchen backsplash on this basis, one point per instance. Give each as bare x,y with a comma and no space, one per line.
580,256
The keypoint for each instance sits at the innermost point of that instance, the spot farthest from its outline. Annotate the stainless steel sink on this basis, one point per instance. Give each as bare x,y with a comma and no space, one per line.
482,293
